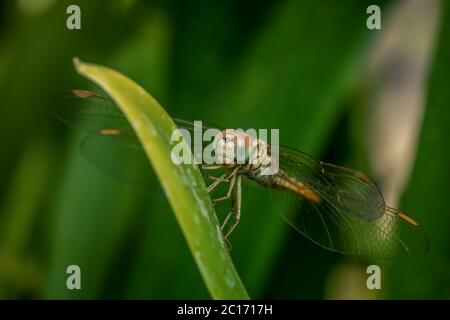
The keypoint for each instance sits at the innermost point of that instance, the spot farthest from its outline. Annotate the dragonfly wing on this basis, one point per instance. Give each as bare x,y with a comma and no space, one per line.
111,143
124,162
387,237
98,114
348,190
338,221
95,114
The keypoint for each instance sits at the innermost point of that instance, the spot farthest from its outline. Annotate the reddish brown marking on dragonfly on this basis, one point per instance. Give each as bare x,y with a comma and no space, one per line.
362,176
308,194
300,189
83,93
407,218
110,132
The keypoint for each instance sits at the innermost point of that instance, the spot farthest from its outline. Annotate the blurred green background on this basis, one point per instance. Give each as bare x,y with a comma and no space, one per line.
373,100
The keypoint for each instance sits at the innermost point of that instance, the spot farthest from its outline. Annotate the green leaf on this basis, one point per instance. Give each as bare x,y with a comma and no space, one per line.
183,184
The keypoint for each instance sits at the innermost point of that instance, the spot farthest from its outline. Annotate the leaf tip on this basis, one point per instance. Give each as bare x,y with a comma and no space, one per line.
77,63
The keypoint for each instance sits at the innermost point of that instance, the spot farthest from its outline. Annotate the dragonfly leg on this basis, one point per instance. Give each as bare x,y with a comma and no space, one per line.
216,182
236,210
230,214
218,178
226,219
224,223
229,192
222,178
228,244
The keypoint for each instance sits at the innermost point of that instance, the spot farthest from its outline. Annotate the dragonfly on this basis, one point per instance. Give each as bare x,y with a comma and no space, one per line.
335,207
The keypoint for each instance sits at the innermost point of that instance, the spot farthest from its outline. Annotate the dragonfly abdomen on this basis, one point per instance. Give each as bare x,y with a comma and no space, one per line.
283,182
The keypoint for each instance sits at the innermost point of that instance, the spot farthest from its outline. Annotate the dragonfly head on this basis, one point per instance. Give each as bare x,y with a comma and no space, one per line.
235,147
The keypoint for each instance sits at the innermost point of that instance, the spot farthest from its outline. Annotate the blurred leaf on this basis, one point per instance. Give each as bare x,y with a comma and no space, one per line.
35,53
426,196
86,230
19,272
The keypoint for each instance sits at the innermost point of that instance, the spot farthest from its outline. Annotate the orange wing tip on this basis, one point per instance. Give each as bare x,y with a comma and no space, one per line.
407,218
83,93
110,132
361,176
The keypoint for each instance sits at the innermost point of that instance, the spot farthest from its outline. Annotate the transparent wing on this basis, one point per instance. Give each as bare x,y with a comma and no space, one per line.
125,162
348,190
110,143
98,114
94,114
350,216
